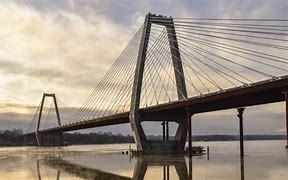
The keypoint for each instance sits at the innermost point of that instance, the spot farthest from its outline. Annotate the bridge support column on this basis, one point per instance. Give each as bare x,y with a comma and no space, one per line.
190,171
242,168
51,139
135,116
286,107
62,139
165,125
167,130
58,139
164,134
189,115
144,162
42,140
37,133
240,116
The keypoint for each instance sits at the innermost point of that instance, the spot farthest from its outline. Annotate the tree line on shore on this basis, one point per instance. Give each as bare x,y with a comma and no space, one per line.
97,138
15,138
11,137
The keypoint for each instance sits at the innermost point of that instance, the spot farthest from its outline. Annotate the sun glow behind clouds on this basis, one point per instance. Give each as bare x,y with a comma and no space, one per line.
8,107
55,49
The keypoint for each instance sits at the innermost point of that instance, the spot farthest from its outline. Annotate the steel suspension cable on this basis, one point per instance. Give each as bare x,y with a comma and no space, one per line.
242,41
116,96
114,72
191,82
228,60
235,48
194,72
208,52
34,118
247,58
109,73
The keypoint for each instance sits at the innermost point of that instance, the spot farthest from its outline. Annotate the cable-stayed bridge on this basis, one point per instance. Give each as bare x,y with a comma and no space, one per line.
173,68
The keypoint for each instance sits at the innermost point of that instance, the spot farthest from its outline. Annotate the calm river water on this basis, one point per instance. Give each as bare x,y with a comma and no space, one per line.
263,160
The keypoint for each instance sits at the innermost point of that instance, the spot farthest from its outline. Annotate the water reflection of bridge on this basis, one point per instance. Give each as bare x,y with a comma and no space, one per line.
143,162
78,170
140,169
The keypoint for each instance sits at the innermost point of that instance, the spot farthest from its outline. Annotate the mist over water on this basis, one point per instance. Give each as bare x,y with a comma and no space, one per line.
263,160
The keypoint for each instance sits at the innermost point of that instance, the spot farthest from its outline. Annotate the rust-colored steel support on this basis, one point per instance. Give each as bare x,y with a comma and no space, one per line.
240,116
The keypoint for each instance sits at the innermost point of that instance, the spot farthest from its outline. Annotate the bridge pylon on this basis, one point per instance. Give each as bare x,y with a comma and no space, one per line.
169,146
48,139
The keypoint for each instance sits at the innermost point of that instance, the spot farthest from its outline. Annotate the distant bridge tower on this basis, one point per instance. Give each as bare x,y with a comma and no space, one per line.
40,137
135,116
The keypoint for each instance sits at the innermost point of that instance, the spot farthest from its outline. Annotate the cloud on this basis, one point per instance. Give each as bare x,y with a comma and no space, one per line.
58,47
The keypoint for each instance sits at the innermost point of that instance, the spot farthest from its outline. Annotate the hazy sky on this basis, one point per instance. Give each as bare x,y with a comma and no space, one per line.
66,47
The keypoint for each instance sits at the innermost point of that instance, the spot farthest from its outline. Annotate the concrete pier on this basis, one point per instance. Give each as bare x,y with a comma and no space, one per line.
240,116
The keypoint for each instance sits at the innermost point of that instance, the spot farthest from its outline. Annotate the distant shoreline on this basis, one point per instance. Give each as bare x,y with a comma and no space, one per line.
22,145
15,138
229,137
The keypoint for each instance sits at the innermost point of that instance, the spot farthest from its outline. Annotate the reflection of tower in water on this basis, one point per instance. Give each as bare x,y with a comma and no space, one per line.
242,168
143,162
39,173
140,170
166,166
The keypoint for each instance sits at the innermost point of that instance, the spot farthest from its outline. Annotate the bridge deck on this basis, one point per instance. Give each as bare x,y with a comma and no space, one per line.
264,92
